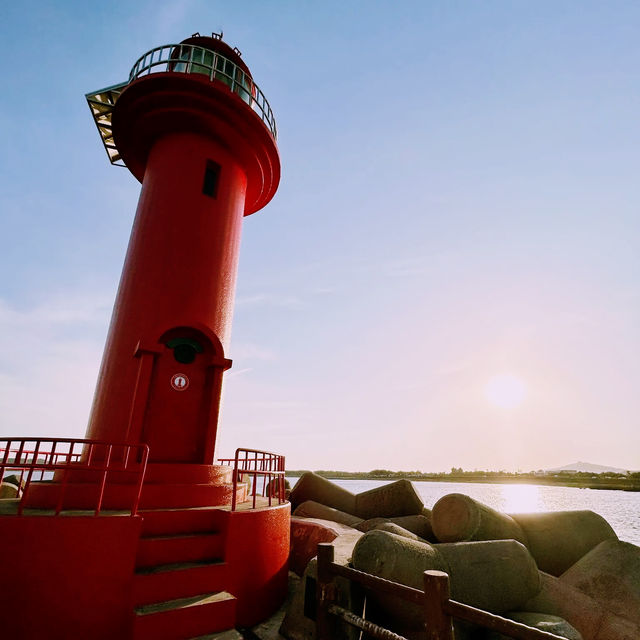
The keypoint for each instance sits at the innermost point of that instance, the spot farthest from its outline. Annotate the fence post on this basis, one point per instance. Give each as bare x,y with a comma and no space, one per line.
325,592
436,594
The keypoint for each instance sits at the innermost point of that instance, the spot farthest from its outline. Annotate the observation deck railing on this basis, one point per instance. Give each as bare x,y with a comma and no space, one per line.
179,58
56,459
269,467
186,58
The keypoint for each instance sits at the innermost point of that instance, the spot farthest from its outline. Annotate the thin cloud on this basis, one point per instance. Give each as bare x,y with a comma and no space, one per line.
49,364
268,299
238,373
250,351
277,405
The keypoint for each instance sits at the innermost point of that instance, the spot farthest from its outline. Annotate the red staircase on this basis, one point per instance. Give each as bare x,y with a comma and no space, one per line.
179,584
180,578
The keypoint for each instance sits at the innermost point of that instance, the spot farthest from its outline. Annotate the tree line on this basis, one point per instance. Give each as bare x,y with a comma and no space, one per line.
606,480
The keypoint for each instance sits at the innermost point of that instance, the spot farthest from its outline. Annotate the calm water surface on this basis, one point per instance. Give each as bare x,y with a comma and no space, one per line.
621,509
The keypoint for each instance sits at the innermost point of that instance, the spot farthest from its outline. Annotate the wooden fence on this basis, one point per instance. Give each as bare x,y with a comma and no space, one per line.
439,609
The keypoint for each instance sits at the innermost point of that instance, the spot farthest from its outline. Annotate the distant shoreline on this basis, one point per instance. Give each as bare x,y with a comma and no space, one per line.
575,481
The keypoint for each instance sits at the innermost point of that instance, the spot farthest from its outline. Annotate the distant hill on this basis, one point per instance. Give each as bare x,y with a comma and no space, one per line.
586,467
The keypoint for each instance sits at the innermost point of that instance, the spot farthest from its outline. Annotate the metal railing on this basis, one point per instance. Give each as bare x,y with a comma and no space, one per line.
269,467
439,609
43,460
186,58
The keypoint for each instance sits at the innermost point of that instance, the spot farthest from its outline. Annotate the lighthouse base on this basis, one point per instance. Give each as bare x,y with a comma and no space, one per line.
169,573
70,577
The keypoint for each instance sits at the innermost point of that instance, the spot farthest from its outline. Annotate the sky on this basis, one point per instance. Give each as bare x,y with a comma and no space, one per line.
458,213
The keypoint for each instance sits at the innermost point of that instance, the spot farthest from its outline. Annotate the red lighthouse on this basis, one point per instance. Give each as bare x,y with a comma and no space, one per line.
194,128
164,543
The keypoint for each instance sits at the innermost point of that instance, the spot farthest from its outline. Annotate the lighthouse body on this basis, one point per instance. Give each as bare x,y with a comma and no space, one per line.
193,127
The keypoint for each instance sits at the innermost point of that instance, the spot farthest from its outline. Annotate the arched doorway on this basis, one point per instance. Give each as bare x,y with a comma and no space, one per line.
181,413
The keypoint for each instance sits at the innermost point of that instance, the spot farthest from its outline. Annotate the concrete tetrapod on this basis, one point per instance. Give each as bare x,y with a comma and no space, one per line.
558,539
457,517
306,533
398,530
581,611
420,525
496,575
610,574
399,559
8,490
311,509
311,486
394,499
273,487
298,623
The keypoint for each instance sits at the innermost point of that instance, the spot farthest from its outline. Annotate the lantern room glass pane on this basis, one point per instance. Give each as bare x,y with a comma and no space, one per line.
196,60
188,59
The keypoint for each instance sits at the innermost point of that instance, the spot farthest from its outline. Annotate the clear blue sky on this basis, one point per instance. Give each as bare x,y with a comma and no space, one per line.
459,200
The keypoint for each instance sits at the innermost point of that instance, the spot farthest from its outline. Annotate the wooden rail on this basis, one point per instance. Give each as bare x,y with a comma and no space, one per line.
439,610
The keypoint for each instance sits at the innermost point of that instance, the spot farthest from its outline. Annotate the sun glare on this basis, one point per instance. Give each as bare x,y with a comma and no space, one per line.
521,498
505,391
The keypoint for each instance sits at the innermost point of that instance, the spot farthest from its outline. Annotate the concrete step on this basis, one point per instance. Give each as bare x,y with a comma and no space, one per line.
187,520
179,580
156,496
186,617
167,549
156,473
45,495
162,473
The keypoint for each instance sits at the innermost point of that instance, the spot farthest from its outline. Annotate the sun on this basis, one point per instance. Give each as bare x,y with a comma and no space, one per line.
505,391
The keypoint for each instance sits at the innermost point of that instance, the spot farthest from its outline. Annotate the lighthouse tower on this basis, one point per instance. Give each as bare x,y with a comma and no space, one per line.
195,130
164,543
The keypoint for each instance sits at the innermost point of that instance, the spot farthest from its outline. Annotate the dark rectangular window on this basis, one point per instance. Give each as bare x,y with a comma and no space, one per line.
211,177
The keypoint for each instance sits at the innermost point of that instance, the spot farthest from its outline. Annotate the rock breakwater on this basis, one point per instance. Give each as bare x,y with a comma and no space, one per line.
547,570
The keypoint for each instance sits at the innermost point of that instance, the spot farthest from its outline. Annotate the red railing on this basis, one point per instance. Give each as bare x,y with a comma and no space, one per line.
47,459
269,467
